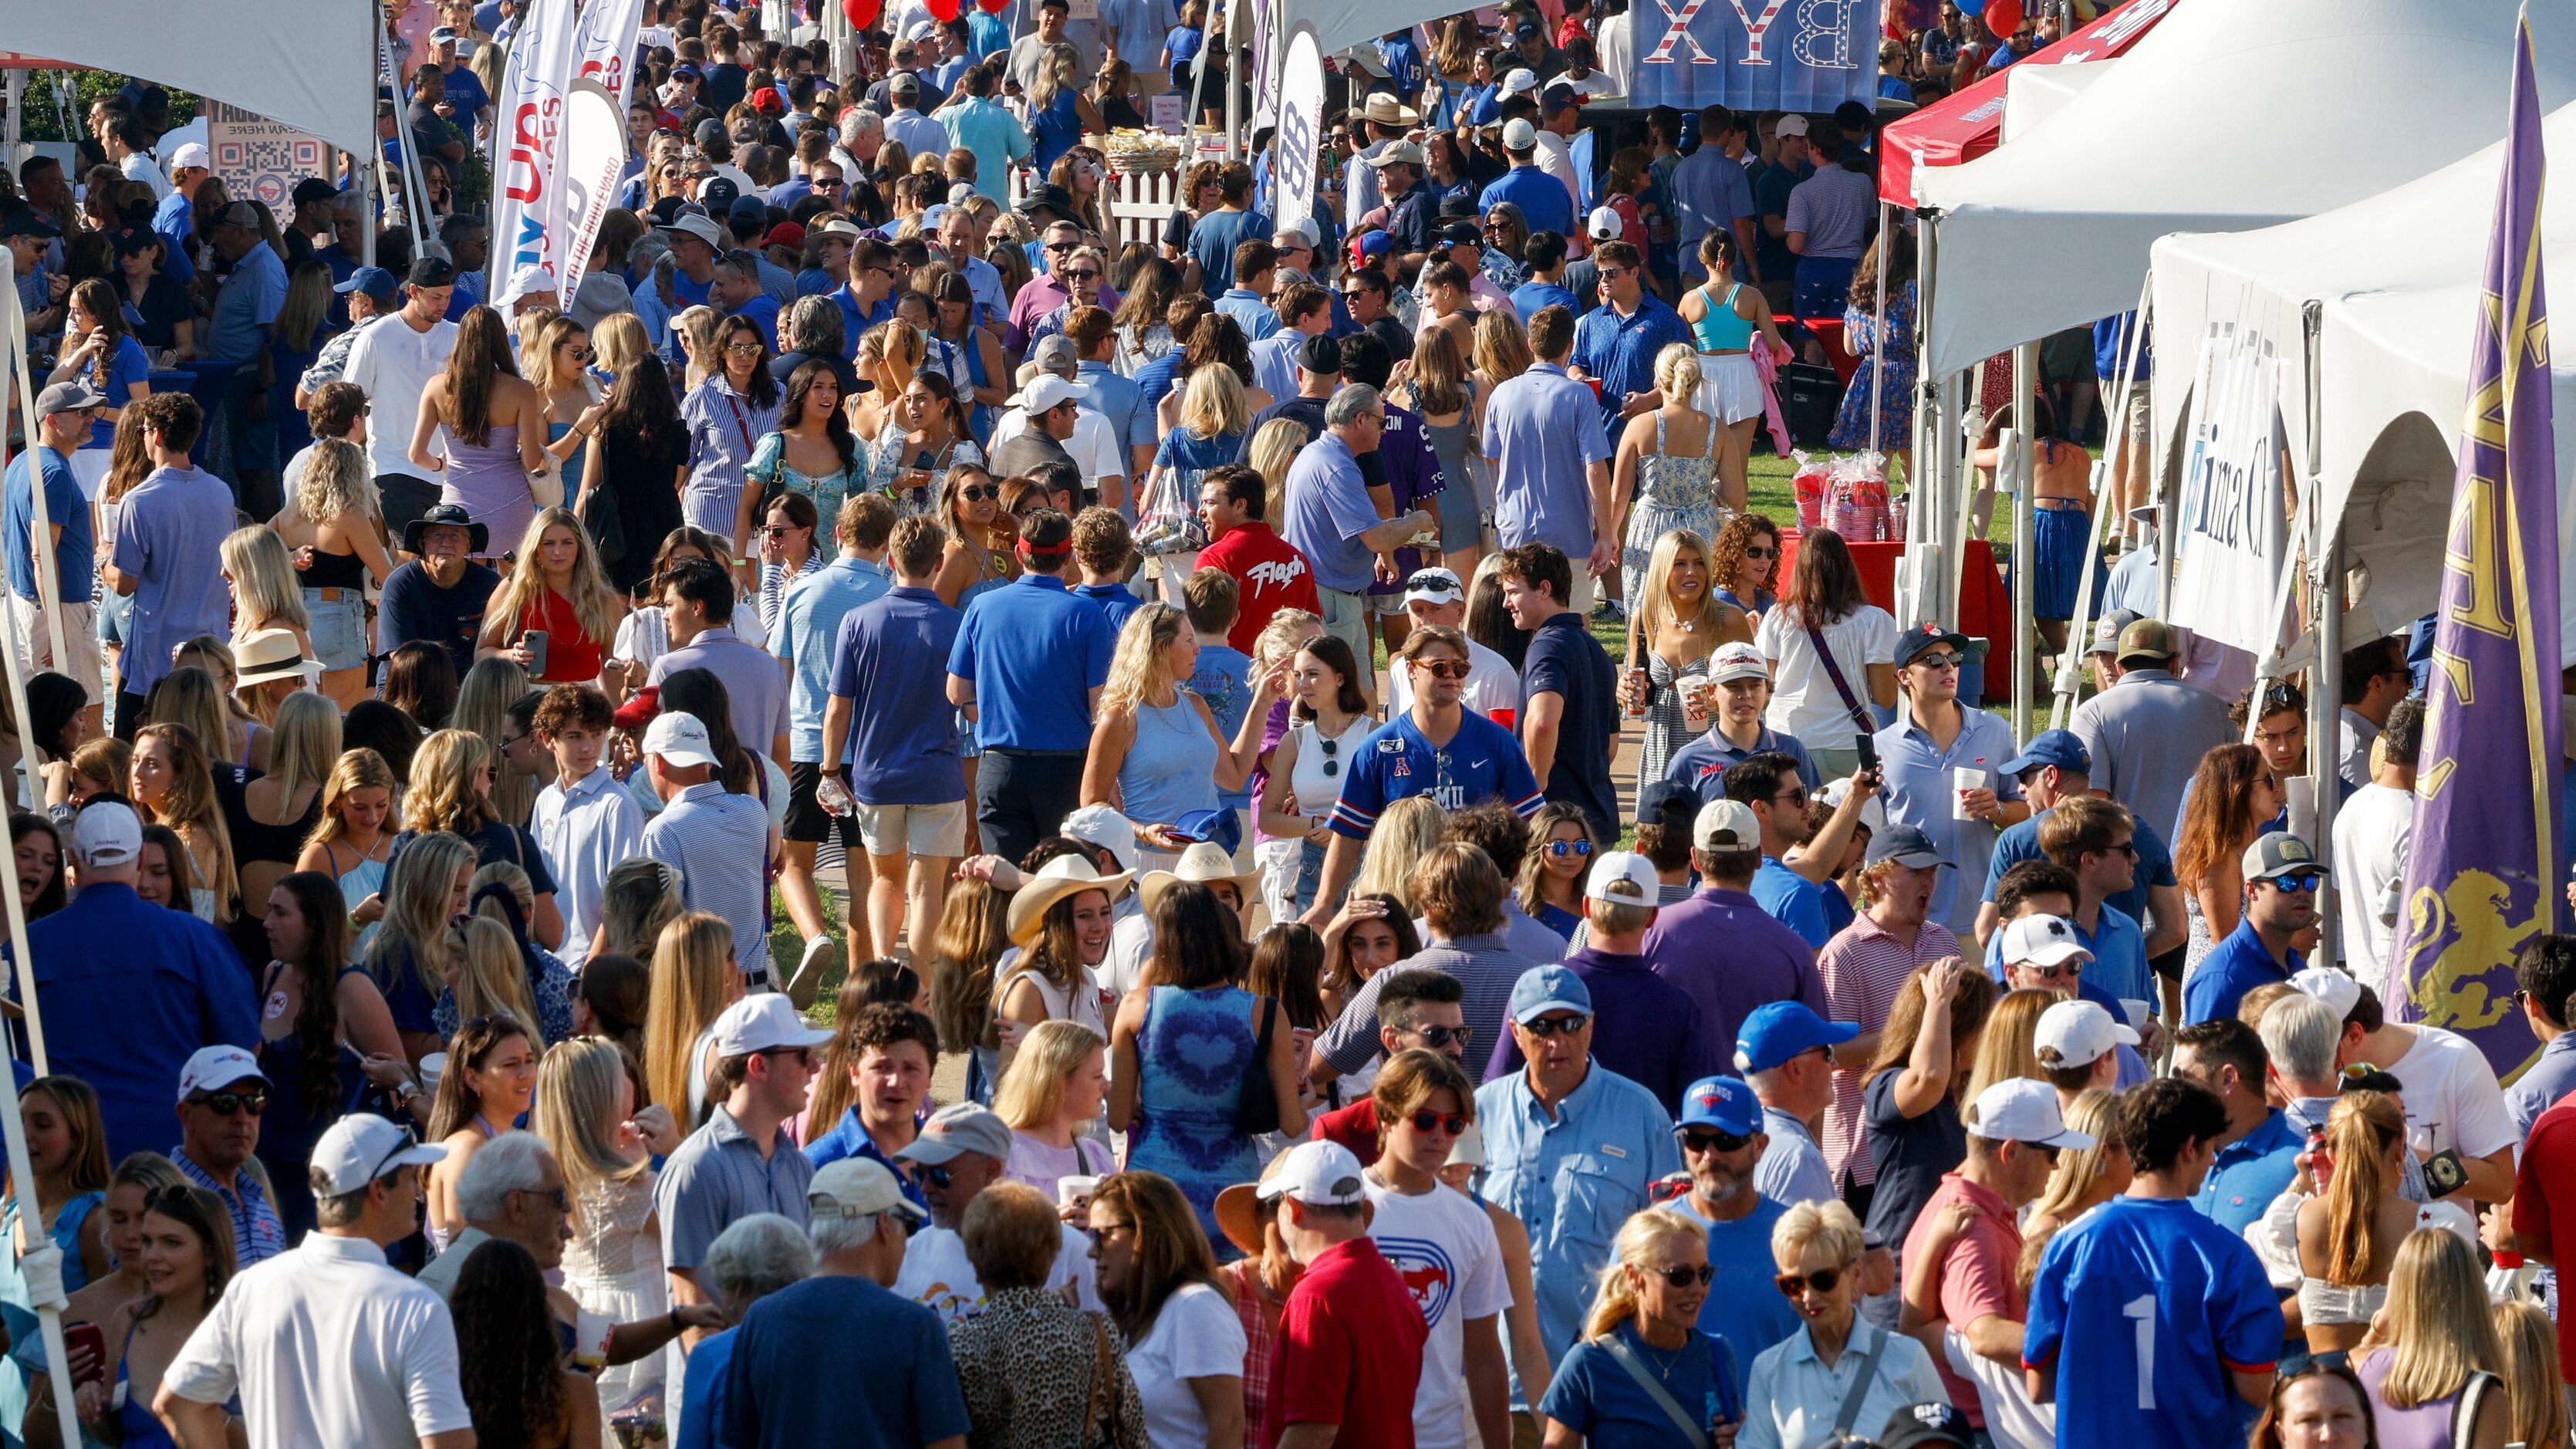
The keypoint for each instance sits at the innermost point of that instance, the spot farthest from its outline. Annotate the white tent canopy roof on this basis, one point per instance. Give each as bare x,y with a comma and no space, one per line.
2033,93
2394,281
310,64
2227,117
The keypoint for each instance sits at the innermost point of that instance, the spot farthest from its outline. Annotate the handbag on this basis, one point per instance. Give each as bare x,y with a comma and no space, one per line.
1114,1433
1256,1107
545,485
604,520
1861,718
1693,1434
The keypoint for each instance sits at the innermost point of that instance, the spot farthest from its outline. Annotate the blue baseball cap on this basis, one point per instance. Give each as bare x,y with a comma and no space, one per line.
1724,1103
2061,748
376,282
1780,1030
1543,989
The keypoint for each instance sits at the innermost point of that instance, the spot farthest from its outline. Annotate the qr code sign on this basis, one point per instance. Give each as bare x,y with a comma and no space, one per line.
260,159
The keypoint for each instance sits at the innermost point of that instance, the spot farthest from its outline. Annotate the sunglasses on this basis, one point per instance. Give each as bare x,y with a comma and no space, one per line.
1061,246
1100,1235
779,530
2060,971
978,493
1548,1026
1714,1141
1762,552
1822,1280
833,183
1332,765
2300,884
1439,1037
1700,1276
1085,275
744,349
938,1177
1426,1120
1935,661
1563,848
227,1104
1443,668
804,1055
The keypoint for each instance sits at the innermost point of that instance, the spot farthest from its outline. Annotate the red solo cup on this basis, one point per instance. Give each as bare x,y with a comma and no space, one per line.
1596,387
1507,718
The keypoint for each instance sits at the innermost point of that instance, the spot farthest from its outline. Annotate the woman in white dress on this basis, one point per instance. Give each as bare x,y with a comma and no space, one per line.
613,1265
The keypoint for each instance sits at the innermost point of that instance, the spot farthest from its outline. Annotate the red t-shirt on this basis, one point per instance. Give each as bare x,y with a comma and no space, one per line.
1354,1126
1976,1276
1269,575
2544,1205
1349,1352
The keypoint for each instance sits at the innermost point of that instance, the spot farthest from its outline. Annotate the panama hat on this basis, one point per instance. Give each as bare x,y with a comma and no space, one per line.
1206,863
1066,875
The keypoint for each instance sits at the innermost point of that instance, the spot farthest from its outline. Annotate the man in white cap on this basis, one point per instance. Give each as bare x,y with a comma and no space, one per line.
2451,1095
790,1379
961,1151
175,217
129,991
1433,595
222,1094
328,1344
65,414
2014,1136
1351,1336
1645,1028
742,1161
719,841
1541,197
2076,1046
1051,405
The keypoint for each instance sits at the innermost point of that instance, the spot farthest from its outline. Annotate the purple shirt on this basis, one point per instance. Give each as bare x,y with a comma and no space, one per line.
1729,956
1645,1028
1413,477
755,684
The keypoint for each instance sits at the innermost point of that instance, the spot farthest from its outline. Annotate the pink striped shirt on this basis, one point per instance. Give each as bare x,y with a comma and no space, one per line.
1864,967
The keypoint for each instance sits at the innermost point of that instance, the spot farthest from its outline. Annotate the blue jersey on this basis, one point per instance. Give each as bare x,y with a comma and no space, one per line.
1481,762
2142,1308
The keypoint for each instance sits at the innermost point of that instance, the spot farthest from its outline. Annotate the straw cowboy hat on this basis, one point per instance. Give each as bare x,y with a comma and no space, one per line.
1206,863
272,654
1066,875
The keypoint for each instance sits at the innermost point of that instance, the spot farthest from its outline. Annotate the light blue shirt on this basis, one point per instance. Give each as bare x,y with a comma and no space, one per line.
1545,430
720,844
1136,27
2146,735
994,135
1920,791
1274,363
1122,403
1792,1169
2539,1087
1709,192
1327,508
985,281
1573,1180
1251,313
248,303
808,623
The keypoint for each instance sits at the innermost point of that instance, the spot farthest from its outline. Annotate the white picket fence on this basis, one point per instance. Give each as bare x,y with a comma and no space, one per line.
1137,204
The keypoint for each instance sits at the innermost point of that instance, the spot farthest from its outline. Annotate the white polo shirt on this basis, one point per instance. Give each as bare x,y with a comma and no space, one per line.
382,1366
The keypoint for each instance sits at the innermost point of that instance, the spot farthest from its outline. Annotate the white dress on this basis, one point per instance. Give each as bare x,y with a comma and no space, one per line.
613,1268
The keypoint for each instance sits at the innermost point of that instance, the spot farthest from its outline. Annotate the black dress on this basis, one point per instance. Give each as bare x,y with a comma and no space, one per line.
641,468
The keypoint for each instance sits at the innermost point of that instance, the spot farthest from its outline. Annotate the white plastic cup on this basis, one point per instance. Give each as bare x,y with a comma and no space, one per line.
432,1067
2138,1011
1963,780
1693,689
1076,1189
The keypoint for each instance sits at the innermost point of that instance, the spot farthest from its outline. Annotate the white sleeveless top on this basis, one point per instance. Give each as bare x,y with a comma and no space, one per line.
1315,790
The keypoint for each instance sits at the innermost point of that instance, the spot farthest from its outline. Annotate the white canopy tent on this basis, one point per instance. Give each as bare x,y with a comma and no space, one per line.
310,64
2226,117
2033,93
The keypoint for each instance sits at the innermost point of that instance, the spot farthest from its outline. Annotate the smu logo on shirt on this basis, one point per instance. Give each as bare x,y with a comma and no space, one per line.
1427,1273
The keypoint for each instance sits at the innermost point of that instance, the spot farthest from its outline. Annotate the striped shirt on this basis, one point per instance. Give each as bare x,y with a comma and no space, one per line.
257,1233
720,844
1863,968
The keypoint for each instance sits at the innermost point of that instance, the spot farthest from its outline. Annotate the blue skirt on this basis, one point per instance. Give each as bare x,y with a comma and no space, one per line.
2057,545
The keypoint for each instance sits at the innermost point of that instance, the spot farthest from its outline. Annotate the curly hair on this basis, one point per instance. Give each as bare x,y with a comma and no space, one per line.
507,1361
1726,556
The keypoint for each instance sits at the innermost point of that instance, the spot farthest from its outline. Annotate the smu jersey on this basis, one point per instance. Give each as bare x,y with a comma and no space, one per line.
1481,762
2142,1307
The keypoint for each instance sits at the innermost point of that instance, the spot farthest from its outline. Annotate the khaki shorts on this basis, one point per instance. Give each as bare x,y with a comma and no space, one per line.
35,645
932,830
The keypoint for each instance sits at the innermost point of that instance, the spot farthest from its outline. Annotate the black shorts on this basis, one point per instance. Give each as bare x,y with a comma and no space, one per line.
403,499
807,821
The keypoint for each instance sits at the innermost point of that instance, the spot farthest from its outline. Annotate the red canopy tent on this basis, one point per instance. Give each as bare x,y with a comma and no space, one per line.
1967,125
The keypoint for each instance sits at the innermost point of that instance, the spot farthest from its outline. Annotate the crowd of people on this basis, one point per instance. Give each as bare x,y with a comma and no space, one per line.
447,719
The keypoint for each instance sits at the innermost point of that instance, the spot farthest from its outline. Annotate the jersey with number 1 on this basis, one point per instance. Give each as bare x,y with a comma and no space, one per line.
2142,1308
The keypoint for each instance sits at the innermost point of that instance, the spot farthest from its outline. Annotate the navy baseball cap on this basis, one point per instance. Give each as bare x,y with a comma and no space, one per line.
25,221
1555,99
1724,1103
1925,636
2061,748
1907,845
376,282
1780,1030
1666,803
1543,989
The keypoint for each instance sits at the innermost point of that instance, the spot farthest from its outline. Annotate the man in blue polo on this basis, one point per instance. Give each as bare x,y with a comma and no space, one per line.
2053,768
1436,748
1786,1053
2258,1155
1722,1145
1331,512
1619,340
1922,757
1770,787
1027,667
1739,691
2281,879
1552,476
1542,198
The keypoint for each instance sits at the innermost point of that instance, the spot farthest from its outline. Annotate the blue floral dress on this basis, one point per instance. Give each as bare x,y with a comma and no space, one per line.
1191,1058
1896,415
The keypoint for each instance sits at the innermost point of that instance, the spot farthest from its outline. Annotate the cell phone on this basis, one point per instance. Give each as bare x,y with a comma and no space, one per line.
2444,1173
534,641
76,1336
1868,754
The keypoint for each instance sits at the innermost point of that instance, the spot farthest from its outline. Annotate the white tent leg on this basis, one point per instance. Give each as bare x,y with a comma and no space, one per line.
2325,706
2025,527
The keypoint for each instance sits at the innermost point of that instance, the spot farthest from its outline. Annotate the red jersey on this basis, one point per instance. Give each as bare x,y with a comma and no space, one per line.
1269,575
2544,1205
1349,1352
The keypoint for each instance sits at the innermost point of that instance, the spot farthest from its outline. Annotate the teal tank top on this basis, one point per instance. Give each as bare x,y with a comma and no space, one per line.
1721,328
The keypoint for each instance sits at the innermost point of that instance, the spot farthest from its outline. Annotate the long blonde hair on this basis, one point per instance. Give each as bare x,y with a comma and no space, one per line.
897,349
1212,405
1055,73
1642,1243
304,745
1502,348
443,775
549,339
190,698
2359,1131
697,329
577,1083
641,896
1655,610
413,934
2530,1365
1137,671
2006,1049
1274,451
2092,1111
265,593
1404,834
493,983
1032,1087
358,769
2437,1320
337,479
973,933
692,985
593,602
617,341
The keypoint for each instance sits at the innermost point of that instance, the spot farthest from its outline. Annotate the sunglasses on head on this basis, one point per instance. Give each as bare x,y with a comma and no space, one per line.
1822,1280
1563,848
1694,1141
1699,1276
1426,1120
1548,1026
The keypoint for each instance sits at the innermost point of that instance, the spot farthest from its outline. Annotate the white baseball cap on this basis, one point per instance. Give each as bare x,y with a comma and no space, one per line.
2022,1110
1791,126
701,228
1324,1174
189,154
1623,878
855,1187
218,1066
362,1147
2336,989
1726,825
2043,941
1518,133
2080,1032
106,834
762,1022
1047,390
1433,585
1103,826
1516,83
1738,660
680,738
1603,224
1873,811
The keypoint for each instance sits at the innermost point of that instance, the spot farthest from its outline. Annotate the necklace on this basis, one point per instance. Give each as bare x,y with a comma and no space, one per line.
1664,1362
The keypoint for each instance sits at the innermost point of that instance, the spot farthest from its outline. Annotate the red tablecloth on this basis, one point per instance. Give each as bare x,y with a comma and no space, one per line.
1985,605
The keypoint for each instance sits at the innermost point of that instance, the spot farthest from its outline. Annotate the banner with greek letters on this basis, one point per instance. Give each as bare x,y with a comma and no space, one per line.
528,225
1755,55
2234,539
1296,149
594,131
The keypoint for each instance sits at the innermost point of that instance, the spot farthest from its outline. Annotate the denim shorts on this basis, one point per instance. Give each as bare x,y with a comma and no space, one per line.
115,611
339,628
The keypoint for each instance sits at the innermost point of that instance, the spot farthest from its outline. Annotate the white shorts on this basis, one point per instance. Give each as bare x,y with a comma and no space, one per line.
938,831
35,646
1730,390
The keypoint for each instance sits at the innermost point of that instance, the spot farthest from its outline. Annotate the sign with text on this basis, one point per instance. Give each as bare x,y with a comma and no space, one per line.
1754,55
1171,112
260,159
1297,149
529,231
2234,539
594,148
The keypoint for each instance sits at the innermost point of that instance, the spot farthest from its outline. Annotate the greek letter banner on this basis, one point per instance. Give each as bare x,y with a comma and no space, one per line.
2480,872
1754,55
528,228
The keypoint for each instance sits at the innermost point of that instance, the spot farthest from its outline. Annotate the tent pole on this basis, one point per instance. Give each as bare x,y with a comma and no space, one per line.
2025,527
2325,706
15,330
2070,660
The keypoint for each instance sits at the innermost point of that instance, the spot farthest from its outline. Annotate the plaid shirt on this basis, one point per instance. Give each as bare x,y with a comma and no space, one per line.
258,1235
1863,967
1260,1314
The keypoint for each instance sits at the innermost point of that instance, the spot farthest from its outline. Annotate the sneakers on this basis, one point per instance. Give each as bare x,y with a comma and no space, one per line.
802,987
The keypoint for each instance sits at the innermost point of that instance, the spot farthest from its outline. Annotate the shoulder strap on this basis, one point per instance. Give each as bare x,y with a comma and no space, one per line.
1626,1358
1846,1415
2464,1410
1861,719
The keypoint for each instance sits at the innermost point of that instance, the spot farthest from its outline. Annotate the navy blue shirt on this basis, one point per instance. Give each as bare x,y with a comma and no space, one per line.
1565,660
794,1383
891,661
1034,653
1529,297
1700,766
1597,1398
1115,600
1213,242
1481,762
413,606
2237,965
1543,200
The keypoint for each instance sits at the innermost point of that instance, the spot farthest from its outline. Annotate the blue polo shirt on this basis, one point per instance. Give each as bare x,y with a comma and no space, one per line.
1544,202
2237,965
1745,1307
1034,653
762,309
1919,792
2250,1172
1545,431
66,509
850,1139
2542,1083
1621,350
247,304
1326,509
1700,766
1114,600
176,220
1529,297
854,323
1250,313
889,659
1213,241
1794,901
1481,762
1122,403
2020,842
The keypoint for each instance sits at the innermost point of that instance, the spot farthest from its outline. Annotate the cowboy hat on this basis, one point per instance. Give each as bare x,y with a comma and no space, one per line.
272,654
1206,863
1386,110
1066,875
1240,1211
